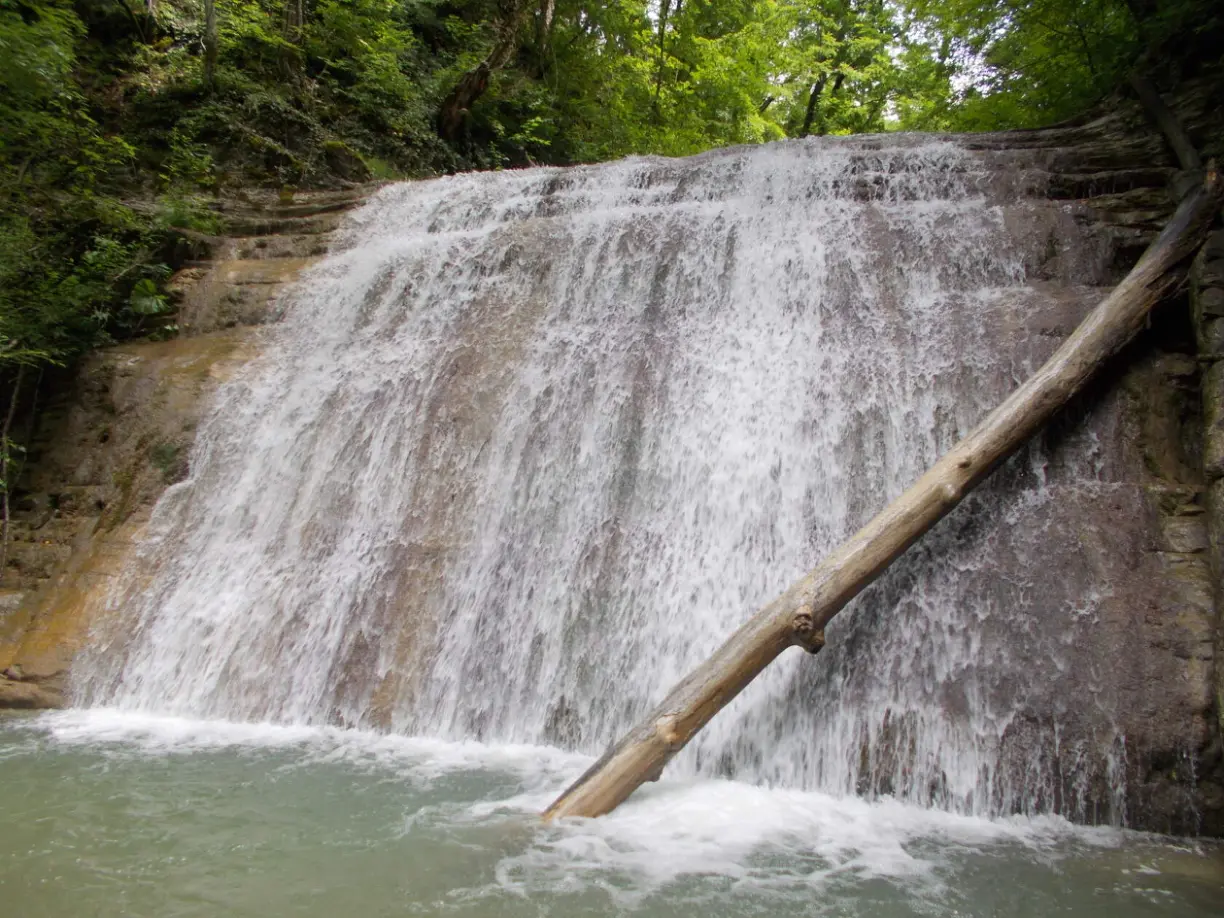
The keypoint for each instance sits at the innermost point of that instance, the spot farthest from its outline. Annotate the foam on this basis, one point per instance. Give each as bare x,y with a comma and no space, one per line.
746,838
777,838
419,758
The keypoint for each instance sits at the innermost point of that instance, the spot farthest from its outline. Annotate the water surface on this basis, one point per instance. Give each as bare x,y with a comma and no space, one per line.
109,814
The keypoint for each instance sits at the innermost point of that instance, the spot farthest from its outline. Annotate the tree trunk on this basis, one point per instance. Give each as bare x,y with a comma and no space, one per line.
813,98
664,9
151,18
293,55
544,27
799,616
471,86
1170,126
210,43
6,450
833,91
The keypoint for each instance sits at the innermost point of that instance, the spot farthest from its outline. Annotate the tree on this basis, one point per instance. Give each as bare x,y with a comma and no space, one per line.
472,85
210,43
1024,64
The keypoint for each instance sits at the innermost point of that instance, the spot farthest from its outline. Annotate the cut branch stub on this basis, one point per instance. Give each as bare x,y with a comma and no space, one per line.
806,634
799,615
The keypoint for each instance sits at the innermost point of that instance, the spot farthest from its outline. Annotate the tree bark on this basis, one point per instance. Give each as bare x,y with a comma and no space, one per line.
838,81
813,97
471,86
6,446
1187,156
799,616
210,43
544,27
293,55
664,9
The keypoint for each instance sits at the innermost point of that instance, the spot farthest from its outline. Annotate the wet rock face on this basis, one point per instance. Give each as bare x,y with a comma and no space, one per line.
1207,299
1151,529
109,442
1101,600
1156,626
112,435
20,693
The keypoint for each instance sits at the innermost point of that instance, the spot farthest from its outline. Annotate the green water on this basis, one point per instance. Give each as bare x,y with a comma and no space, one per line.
115,815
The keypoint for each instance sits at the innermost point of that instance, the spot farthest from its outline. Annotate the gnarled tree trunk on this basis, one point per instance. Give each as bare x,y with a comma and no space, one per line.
471,86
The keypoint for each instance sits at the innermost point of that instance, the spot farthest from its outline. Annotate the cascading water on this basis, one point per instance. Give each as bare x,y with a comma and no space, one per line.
529,445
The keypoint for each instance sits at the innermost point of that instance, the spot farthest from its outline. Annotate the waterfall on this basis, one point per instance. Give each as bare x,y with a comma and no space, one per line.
528,445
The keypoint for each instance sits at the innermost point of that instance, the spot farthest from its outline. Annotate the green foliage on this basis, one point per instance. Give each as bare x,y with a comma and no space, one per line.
78,267
1032,63
145,300
1038,62
672,78
112,141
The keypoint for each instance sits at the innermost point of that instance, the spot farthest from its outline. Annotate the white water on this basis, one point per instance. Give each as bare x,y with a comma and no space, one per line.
531,444
670,831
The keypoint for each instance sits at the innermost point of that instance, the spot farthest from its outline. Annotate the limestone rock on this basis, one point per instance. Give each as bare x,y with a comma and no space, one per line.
28,696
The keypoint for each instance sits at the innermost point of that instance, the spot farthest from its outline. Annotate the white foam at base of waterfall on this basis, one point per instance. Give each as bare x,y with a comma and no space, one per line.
749,835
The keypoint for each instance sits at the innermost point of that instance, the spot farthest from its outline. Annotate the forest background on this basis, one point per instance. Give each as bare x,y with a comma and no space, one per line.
122,122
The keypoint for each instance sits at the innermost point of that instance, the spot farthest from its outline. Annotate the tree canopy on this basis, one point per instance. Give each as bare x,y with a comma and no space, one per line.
120,118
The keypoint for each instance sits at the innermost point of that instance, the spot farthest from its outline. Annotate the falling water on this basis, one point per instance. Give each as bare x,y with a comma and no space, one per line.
530,444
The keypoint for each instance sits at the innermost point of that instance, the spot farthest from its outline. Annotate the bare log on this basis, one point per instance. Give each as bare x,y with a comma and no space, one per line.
798,617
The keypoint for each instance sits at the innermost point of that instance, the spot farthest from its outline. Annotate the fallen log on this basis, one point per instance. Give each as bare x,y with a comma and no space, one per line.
798,617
